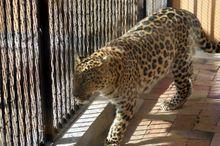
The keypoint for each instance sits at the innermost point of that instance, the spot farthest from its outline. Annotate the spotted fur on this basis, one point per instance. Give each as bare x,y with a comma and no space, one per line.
134,62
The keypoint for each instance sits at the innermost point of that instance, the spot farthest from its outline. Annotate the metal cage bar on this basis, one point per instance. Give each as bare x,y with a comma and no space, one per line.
45,70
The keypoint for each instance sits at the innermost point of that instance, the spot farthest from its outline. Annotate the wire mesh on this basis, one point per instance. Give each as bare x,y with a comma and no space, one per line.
81,26
21,122
154,5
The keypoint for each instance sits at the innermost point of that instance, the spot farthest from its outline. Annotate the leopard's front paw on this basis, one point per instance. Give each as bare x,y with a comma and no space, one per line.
111,143
167,106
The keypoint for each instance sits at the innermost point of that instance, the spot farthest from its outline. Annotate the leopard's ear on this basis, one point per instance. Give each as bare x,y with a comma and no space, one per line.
77,59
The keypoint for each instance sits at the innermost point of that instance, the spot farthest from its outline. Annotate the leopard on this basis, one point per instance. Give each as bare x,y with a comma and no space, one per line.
133,63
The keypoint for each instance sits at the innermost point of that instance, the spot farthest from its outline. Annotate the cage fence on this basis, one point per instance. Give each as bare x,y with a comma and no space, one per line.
155,5
82,27
79,26
20,93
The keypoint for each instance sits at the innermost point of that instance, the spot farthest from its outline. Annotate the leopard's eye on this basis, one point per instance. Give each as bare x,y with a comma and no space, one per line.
83,82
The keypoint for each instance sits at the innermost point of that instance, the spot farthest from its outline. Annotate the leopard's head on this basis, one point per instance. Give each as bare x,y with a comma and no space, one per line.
91,74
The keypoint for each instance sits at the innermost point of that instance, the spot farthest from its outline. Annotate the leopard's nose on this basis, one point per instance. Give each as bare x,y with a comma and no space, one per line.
76,92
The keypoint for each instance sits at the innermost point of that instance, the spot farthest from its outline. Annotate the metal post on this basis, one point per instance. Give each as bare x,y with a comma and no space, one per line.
169,3
45,71
141,7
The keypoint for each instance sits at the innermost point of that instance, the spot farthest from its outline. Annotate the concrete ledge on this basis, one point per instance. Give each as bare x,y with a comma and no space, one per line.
98,131
83,120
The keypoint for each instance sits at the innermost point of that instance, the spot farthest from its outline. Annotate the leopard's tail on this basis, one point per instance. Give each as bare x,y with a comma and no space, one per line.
208,45
201,39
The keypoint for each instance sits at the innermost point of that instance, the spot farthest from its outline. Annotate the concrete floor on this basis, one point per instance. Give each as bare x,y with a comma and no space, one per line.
197,123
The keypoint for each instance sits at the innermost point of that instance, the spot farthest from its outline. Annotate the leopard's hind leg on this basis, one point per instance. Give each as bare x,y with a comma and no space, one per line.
182,71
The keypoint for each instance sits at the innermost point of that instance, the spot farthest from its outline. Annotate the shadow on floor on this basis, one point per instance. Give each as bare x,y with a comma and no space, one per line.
194,124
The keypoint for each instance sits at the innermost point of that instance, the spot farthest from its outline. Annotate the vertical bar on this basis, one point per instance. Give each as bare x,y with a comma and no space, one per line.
21,74
53,60
116,18
18,95
57,56
61,56
58,65
141,9
75,21
74,38
77,35
104,21
153,6
144,9
6,84
213,14
34,82
157,5
74,15
58,74
100,22
85,28
135,11
81,27
112,11
195,5
68,58
94,25
91,26
146,5
36,52
13,77
128,8
169,3
45,70
126,15
27,76
63,63
123,16
54,16
132,12
97,24
119,19
25,72
109,16
105,26
149,7
2,103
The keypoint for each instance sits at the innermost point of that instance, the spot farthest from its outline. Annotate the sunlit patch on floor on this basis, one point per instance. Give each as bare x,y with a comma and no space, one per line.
83,123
